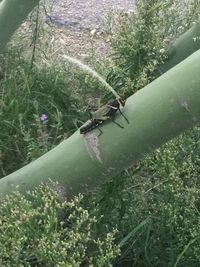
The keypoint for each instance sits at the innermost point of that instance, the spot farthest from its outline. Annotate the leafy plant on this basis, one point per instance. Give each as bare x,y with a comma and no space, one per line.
140,39
40,229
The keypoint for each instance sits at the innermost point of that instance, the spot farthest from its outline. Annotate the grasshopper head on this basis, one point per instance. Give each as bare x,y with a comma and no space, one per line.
121,101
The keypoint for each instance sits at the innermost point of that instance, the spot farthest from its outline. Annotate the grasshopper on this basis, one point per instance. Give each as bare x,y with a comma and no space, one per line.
104,113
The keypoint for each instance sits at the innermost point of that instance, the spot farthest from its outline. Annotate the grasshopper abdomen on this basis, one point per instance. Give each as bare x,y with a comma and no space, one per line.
92,124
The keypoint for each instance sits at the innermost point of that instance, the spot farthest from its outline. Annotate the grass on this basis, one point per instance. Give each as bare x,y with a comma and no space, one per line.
25,95
154,204
28,92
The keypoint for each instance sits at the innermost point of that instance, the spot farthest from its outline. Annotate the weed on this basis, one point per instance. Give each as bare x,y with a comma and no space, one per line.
140,40
40,230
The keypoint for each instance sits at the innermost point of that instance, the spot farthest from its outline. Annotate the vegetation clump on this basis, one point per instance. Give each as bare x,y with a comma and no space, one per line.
154,204
41,230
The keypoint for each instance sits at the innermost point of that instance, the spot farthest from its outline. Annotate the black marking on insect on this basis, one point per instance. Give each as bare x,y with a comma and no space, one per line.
104,113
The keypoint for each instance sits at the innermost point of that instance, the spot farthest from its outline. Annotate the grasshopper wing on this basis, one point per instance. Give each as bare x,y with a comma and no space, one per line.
101,113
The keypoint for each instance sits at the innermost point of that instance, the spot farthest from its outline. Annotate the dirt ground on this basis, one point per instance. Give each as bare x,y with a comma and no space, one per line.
79,15
79,25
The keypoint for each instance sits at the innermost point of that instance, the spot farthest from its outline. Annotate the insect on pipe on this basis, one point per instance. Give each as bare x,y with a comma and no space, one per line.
107,111
103,114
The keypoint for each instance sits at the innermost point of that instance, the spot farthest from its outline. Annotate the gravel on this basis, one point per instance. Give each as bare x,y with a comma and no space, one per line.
78,27
80,15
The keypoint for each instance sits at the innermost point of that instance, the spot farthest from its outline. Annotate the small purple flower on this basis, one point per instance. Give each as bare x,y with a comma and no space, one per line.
44,117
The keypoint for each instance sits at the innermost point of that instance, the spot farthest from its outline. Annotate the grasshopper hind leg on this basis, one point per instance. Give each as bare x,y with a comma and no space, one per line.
124,116
117,123
100,131
113,120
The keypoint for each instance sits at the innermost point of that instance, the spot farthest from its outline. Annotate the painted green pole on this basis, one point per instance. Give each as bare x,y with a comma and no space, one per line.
184,46
12,14
157,113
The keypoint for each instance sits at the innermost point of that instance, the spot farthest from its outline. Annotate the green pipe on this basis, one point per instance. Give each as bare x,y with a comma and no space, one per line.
182,47
157,113
12,14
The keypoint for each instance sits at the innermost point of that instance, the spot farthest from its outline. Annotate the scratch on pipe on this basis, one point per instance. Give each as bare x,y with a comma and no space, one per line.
194,119
92,145
184,104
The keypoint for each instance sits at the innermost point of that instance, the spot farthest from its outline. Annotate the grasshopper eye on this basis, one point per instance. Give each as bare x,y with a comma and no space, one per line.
121,101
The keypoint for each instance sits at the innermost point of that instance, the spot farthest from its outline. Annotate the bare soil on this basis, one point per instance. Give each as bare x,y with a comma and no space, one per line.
79,25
